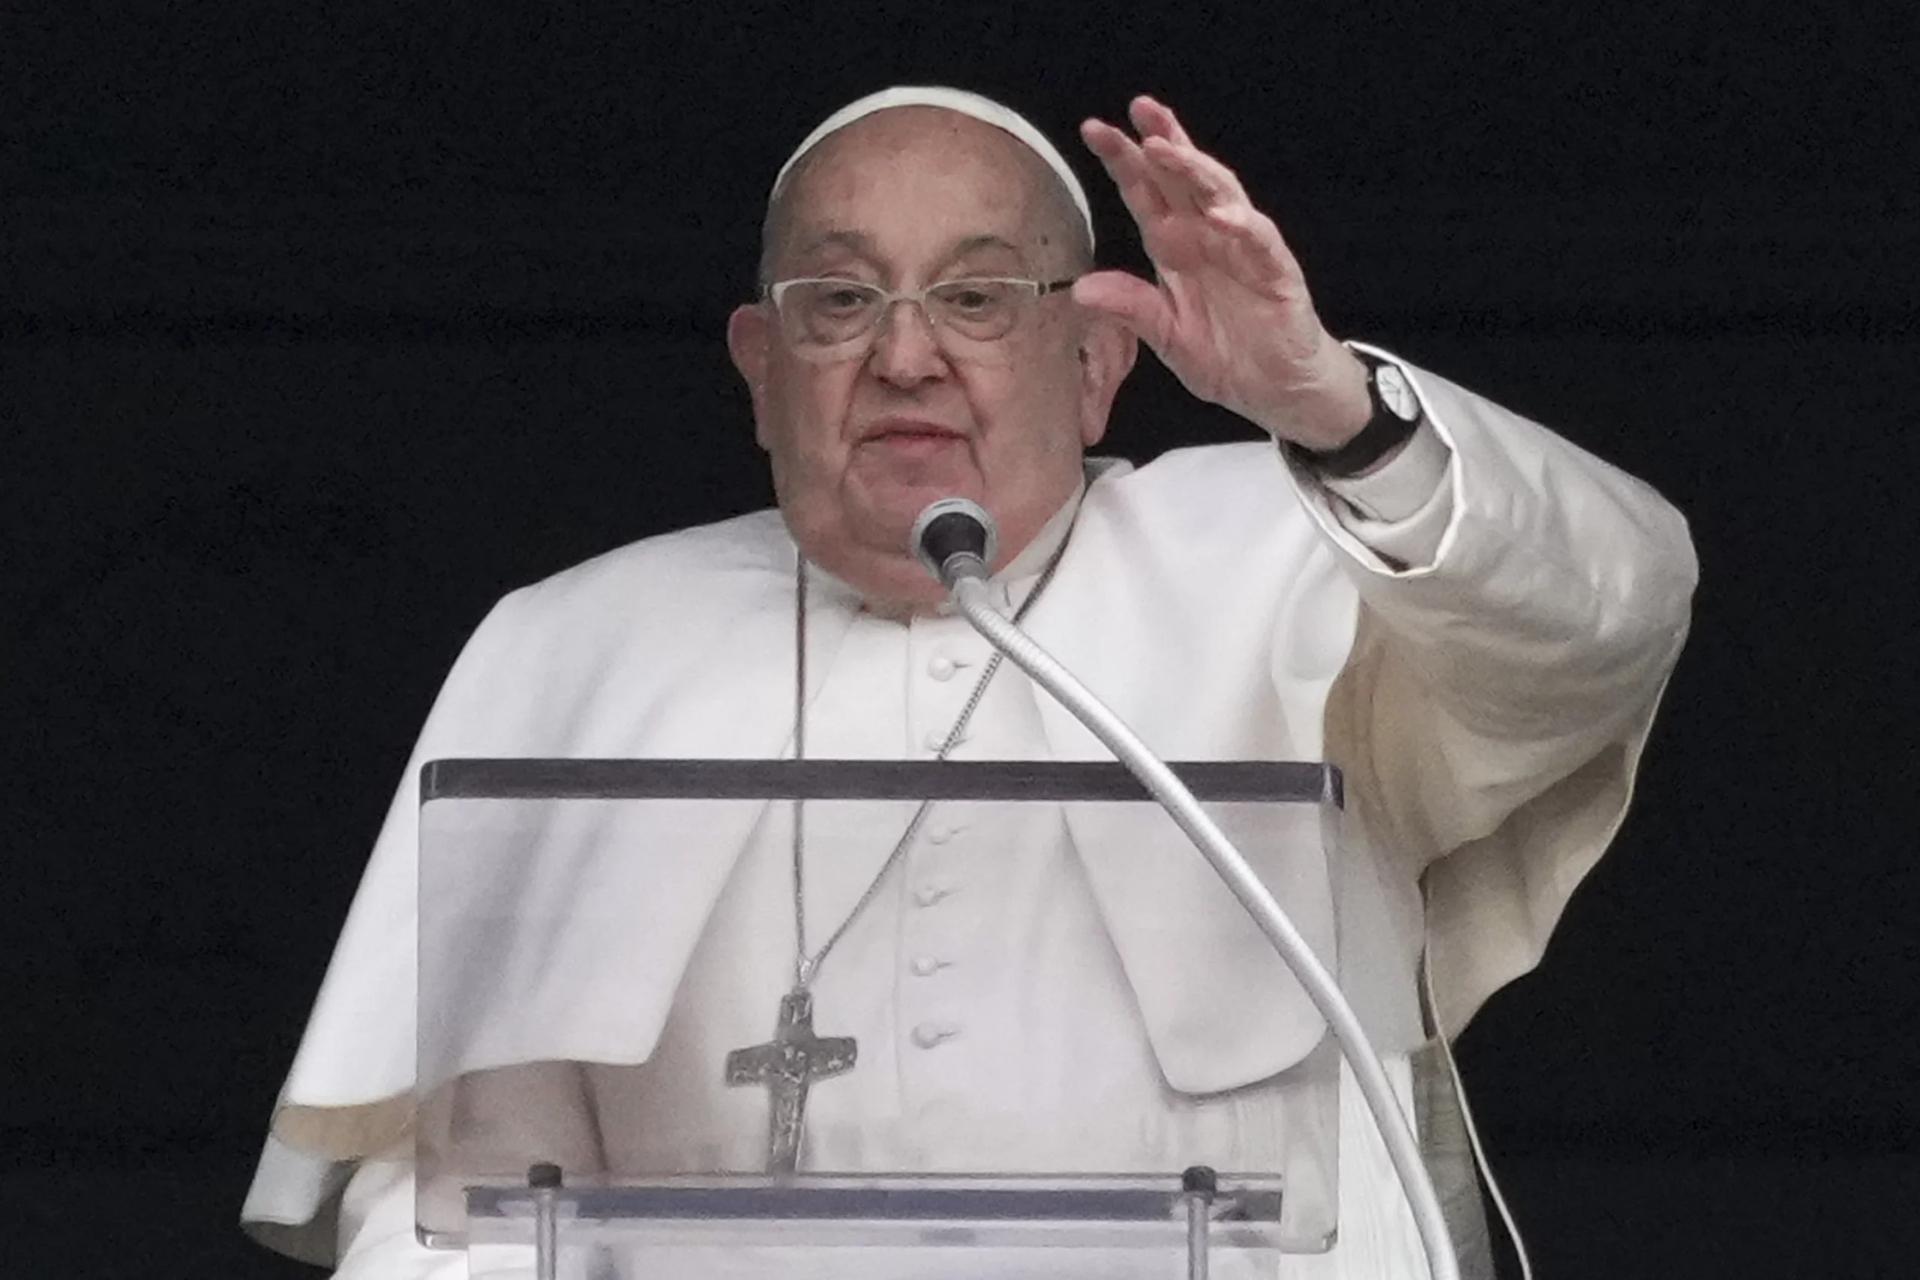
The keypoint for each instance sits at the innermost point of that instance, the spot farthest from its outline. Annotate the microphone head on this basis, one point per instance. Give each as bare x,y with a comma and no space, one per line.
950,528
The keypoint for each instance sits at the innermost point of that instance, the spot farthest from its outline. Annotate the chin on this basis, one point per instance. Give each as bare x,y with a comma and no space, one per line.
881,486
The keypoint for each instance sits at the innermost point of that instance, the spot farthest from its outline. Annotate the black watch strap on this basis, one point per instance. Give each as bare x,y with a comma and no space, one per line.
1384,432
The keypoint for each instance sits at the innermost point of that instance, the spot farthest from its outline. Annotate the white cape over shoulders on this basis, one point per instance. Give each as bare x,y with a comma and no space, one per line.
1488,709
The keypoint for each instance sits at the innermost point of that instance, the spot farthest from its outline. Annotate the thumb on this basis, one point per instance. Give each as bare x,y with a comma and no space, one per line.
1130,300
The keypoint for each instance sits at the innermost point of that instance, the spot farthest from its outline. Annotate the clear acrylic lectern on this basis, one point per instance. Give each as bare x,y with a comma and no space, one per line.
594,934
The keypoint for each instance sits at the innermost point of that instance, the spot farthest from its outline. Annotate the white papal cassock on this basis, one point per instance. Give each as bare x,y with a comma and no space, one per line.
1483,668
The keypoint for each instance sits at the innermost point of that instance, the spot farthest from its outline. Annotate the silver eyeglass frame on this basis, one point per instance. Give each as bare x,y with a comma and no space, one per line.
888,299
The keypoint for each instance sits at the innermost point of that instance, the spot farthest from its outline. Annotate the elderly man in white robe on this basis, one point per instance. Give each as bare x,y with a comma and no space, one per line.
1470,616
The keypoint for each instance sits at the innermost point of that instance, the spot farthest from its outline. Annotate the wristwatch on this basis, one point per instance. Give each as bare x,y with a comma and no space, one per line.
1395,417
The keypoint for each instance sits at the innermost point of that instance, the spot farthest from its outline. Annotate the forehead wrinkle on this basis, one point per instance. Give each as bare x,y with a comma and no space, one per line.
865,247
840,238
980,243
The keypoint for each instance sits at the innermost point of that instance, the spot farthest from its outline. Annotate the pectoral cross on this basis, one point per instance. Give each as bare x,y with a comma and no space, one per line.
788,1064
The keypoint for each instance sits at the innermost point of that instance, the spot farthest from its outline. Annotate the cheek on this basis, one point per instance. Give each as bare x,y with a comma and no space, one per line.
806,409
1034,409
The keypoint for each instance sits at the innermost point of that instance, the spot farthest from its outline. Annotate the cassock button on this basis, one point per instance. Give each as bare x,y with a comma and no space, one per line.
928,894
927,966
929,1034
940,835
942,668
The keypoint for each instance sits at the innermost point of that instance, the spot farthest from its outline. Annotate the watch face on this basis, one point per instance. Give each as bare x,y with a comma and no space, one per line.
1396,392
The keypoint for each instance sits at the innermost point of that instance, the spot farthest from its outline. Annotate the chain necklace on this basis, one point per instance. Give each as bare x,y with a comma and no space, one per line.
795,1057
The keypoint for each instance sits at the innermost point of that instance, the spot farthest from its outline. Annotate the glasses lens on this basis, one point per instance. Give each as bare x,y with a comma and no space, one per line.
826,313
982,310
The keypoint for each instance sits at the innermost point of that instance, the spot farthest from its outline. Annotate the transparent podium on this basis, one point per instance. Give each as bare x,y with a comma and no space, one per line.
606,1037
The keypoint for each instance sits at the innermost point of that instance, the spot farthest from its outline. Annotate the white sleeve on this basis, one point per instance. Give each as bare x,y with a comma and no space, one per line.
1400,511
1397,512
1503,675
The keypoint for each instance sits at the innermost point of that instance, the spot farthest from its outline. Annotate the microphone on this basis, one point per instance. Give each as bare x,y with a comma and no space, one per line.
955,538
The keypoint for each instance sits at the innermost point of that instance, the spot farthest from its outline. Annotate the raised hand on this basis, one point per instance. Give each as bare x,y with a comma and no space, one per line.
1230,313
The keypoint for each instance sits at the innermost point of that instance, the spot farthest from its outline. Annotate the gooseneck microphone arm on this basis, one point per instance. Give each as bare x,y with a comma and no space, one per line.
960,556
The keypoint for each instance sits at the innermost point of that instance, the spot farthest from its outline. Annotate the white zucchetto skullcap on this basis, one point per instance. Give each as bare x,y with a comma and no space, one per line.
967,104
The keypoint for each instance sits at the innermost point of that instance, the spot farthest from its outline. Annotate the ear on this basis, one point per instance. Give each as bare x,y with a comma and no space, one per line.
1107,352
748,333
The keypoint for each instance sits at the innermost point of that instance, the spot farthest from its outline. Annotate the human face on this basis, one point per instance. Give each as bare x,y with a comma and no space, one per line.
861,444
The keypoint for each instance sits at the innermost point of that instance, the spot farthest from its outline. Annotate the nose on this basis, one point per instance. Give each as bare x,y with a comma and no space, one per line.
906,350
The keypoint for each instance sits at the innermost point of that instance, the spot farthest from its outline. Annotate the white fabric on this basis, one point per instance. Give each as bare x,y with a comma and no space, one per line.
498,1001
967,104
976,985
1488,703
995,1024
1413,480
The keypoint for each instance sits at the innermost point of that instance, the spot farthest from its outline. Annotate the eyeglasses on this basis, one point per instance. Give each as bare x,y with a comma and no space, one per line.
824,318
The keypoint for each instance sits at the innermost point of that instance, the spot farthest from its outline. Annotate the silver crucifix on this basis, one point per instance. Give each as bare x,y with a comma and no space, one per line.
787,1065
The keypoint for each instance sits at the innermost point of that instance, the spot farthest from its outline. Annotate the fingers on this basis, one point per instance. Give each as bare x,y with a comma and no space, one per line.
1127,166
1153,182
1140,306
1260,254
1154,119
1163,171
1166,181
1192,177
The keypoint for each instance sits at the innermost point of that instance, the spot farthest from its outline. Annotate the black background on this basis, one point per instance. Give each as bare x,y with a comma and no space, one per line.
322,326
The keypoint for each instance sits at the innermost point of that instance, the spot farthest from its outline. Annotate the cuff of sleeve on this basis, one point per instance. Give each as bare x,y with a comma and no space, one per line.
1409,543
1398,521
1400,512
1403,486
